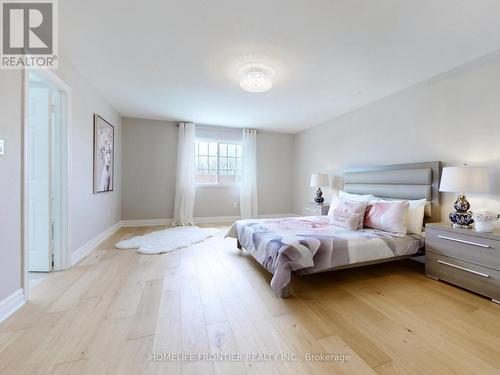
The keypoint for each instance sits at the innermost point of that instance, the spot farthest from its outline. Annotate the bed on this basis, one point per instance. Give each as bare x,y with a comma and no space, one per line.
296,246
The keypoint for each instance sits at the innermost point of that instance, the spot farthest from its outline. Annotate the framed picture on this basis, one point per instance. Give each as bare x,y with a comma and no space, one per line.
104,145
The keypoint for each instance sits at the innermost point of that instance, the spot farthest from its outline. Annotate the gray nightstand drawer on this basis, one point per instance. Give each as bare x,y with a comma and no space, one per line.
482,251
313,209
482,280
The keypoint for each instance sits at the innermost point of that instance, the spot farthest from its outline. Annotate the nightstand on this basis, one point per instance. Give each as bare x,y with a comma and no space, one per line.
314,209
464,257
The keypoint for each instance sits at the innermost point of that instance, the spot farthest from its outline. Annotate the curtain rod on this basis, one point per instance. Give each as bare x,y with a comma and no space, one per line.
218,127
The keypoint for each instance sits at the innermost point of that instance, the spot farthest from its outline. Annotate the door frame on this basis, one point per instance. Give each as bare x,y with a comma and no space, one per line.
61,257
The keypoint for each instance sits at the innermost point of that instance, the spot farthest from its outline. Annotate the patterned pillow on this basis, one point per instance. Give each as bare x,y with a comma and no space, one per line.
345,204
341,208
345,218
388,216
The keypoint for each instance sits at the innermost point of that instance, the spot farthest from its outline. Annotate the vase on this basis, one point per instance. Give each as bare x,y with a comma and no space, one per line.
484,226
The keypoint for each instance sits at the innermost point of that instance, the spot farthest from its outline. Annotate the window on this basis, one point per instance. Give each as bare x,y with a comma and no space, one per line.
217,163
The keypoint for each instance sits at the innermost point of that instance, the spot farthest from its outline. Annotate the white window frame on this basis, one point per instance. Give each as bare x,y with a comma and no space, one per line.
218,141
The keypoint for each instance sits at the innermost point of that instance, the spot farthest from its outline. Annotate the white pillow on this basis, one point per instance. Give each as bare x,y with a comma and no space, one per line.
356,197
416,211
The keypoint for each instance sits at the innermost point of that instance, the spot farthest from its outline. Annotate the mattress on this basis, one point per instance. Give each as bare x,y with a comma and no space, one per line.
304,245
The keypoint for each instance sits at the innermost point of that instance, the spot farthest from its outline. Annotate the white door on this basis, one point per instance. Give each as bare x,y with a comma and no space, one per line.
38,137
56,172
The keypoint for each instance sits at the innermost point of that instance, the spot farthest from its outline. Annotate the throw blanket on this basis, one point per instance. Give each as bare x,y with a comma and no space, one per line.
310,244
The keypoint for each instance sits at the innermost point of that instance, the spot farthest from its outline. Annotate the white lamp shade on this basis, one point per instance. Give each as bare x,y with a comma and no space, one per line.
464,180
319,180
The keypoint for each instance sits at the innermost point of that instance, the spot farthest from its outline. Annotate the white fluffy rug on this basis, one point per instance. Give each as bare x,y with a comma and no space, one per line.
167,240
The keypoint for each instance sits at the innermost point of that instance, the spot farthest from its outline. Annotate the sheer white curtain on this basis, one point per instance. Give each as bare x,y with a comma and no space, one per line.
248,189
185,185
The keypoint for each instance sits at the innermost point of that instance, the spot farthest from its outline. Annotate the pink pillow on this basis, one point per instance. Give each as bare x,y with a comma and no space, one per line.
341,208
388,216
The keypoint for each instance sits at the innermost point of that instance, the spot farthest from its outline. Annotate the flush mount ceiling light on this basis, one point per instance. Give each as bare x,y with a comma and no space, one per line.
256,77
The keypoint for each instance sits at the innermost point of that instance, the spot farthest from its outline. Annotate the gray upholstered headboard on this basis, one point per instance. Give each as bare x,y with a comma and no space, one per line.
402,181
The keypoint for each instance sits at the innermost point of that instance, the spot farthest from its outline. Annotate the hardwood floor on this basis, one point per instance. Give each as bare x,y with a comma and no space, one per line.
108,314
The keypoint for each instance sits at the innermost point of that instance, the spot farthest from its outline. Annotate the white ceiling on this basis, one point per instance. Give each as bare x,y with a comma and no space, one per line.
177,60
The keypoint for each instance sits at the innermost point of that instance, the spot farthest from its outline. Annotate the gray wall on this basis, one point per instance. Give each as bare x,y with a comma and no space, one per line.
275,172
149,169
89,214
454,117
10,182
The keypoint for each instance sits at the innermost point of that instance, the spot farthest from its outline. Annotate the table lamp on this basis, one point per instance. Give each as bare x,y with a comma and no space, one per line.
319,180
463,180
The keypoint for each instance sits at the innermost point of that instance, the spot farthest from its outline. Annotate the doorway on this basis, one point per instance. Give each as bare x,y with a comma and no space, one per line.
46,176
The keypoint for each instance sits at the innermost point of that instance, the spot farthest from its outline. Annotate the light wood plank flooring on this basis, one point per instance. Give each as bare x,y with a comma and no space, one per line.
109,313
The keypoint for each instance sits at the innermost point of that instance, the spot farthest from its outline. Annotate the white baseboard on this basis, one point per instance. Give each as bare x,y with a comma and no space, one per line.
145,223
215,219
162,222
86,249
11,304
197,220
